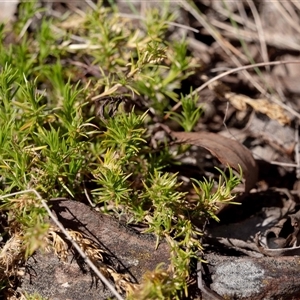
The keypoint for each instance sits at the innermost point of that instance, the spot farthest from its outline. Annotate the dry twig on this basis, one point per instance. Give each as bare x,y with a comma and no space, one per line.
73,242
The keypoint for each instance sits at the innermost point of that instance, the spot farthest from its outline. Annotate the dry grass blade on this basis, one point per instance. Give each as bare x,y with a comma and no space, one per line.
272,63
281,7
277,39
260,31
232,52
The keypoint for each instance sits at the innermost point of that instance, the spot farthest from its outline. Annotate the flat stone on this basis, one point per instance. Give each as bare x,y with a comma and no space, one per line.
129,253
255,278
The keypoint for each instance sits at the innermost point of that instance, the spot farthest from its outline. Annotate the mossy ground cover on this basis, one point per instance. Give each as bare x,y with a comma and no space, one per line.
83,92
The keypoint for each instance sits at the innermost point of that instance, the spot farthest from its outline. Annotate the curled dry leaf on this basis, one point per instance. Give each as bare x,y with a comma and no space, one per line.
264,106
228,151
240,102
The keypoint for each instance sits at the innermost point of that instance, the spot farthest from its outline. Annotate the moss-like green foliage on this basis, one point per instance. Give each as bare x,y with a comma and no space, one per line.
78,95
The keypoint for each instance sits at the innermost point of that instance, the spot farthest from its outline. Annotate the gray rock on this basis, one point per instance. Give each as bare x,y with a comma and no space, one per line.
263,278
125,250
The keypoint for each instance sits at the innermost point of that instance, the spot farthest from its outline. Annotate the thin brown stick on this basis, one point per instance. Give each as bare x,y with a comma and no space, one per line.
235,70
74,244
227,47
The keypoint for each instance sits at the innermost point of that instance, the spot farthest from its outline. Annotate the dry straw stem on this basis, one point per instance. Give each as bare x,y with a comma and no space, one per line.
235,70
280,41
131,16
251,31
260,32
232,52
10,255
73,242
286,16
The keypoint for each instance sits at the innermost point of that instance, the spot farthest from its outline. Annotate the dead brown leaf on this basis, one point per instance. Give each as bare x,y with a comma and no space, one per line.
240,102
228,151
264,106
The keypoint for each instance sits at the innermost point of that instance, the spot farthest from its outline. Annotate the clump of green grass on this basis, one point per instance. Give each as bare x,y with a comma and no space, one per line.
76,103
